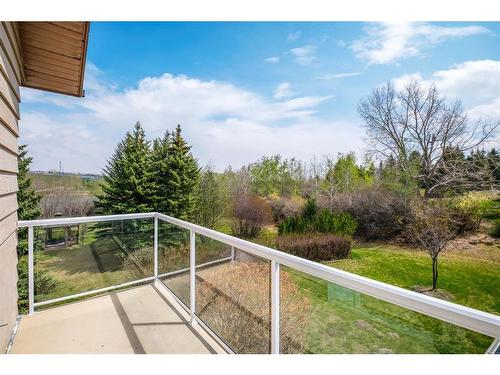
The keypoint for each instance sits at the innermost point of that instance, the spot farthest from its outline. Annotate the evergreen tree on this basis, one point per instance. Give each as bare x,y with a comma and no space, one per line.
176,175
494,166
160,173
127,186
28,200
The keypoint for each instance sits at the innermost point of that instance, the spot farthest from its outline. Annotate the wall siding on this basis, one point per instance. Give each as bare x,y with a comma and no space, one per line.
10,75
8,289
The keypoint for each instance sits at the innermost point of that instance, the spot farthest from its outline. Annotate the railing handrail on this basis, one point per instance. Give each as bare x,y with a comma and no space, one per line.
476,320
82,219
466,317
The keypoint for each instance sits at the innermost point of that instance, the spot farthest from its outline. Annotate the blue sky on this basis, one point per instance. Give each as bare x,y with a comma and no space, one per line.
243,90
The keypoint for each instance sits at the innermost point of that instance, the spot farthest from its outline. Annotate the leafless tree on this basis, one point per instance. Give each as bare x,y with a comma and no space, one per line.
417,119
250,215
328,184
66,203
431,230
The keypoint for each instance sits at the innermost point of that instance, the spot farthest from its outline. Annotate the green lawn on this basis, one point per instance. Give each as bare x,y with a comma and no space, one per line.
343,321
79,268
468,279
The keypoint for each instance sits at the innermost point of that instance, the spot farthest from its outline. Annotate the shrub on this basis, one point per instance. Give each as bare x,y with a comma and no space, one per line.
296,224
285,207
250,214
324,222
379,213
327,222
316,247
495,231
44,284
467,212
310,209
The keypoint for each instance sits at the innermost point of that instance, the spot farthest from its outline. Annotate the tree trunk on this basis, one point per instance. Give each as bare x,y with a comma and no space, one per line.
434,273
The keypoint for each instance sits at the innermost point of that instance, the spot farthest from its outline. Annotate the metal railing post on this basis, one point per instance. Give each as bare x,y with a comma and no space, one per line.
232,253
275,307
192,275
31,274
155,248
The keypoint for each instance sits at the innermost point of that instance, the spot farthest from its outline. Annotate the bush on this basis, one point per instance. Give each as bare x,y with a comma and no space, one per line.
495,231
323,222
284,207
316,247
250,214
296,224
379,213
327,222
44,284
467,212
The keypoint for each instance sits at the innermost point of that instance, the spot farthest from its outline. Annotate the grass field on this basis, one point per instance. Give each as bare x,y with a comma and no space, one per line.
47,183
468,279
82,268
344,321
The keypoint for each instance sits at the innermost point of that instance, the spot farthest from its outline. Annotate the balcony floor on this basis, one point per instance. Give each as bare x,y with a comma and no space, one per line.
137,320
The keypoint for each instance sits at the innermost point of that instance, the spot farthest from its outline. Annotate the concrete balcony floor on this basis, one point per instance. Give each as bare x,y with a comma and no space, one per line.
136,320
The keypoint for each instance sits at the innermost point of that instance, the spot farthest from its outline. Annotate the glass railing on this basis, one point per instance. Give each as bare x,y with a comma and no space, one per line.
318,316
250,298
76,257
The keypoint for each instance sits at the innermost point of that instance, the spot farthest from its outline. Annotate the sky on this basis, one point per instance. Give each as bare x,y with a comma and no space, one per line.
244,90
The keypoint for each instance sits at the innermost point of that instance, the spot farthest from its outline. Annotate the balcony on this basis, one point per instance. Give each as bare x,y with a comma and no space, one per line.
150,283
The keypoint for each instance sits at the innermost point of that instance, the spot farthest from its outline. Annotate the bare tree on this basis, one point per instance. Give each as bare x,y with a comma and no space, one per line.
416,120
431,230
66,203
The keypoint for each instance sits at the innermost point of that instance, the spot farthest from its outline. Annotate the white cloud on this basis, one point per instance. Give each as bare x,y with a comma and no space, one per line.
304,55
391,42
293,36
283,90
475,83
332,76
224,123
272,59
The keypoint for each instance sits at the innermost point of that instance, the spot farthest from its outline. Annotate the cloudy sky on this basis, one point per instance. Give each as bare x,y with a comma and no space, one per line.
243,90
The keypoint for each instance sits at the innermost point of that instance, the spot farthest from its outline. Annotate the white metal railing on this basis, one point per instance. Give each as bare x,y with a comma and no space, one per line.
472,319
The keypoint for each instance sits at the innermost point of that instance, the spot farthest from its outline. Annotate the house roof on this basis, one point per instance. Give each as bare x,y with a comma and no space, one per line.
53,55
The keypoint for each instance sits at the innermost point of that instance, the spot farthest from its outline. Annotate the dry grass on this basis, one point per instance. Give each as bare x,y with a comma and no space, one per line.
234,300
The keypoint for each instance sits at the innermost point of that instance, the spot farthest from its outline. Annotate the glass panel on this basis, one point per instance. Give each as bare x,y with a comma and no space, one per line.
322,317
173,259
71,259
233,296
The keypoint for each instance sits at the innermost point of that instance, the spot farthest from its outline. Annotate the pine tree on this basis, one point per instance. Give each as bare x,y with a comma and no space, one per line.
28,200
176,175
127,186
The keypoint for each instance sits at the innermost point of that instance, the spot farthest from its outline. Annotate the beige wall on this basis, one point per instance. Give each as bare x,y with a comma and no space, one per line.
10,79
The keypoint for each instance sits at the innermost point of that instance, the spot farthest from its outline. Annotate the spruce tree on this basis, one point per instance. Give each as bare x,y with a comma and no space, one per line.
28,200
160,173
127,185
176,175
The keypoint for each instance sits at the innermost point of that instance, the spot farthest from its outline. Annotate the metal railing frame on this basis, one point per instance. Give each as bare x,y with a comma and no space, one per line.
475,320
